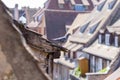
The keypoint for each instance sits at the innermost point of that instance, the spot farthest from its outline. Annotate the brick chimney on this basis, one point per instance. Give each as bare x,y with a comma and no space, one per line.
16,12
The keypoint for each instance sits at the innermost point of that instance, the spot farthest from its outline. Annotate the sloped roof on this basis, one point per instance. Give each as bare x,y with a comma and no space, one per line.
39,12
95,16
79,20
114,76
12,43
56,21
101,50
37,40
33,24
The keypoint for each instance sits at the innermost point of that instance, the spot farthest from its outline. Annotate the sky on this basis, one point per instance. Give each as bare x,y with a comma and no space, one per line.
22,3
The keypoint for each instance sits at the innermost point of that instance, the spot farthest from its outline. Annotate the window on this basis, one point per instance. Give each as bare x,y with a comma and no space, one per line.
93,28
108,63
111,4
100,64
107,39
100,38
100,6
116,41
80,7
82,29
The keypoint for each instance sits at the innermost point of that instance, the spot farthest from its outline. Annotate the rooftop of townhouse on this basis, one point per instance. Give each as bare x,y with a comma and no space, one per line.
59,4
94,22
89,28
102,50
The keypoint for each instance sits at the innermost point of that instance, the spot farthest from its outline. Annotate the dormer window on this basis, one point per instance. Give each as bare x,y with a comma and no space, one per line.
107,39
100,6
111,4
101,36
93,28
83,28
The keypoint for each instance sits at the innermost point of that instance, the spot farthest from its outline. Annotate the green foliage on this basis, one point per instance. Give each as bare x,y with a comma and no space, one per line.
77,72
103,70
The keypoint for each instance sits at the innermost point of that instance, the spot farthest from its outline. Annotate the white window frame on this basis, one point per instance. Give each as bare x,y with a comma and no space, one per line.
93,63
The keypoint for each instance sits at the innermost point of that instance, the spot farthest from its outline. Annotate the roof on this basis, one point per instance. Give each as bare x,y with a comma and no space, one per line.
72,46
79,20
35,39
72,2
96,17
12,33
95,2
115,28
56,21
114,76
39,12
65,62
54,4
85,2
33,24
101,50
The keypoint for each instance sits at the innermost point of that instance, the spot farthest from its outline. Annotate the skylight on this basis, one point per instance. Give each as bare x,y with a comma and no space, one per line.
111,4
100,6
82,29
93,28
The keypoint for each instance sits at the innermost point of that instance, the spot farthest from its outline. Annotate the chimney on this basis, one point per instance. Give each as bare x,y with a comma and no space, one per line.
16,12
27,9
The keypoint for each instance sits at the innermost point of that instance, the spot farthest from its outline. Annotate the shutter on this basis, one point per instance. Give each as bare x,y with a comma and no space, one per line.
74,55
116,41
68,54
100,39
